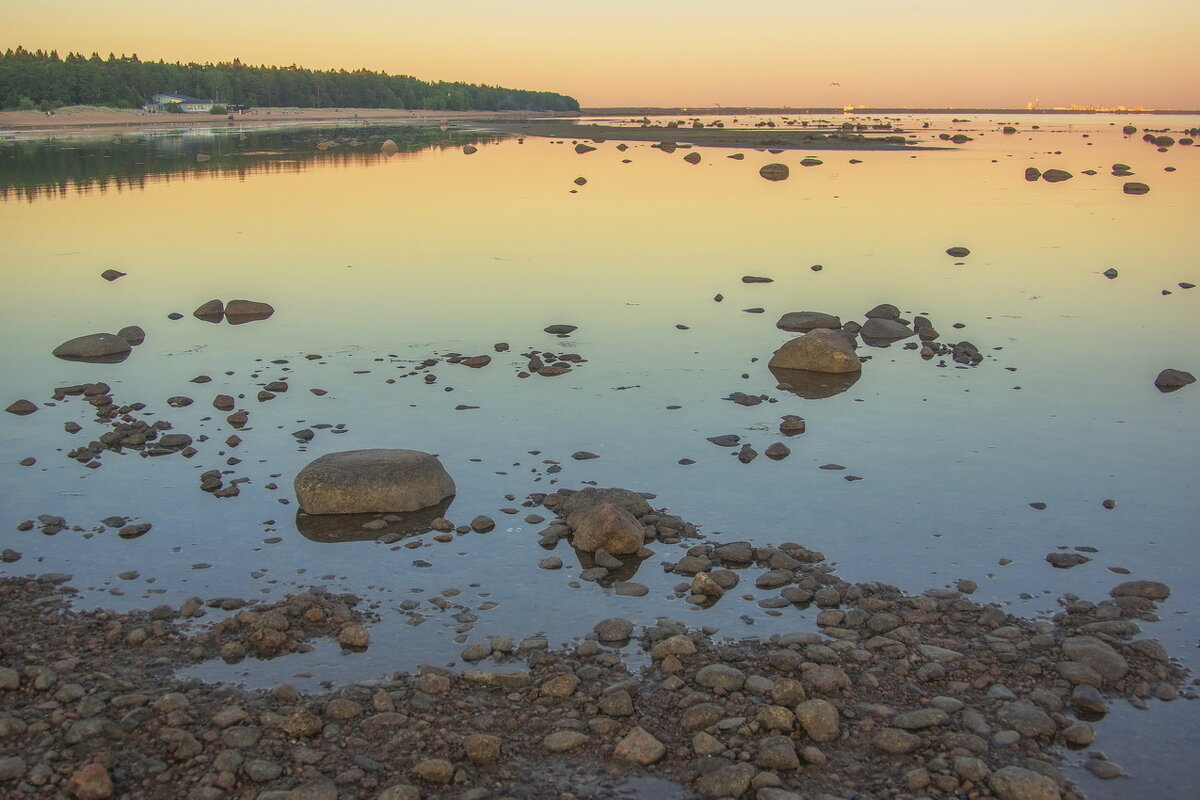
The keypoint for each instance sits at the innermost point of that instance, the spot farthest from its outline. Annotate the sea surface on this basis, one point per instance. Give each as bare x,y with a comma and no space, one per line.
376,263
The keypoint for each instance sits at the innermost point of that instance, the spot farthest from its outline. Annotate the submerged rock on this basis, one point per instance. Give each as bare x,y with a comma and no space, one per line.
820,350
358,481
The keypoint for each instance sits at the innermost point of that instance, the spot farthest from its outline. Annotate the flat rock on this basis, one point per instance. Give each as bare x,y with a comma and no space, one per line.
360,481
1098,655
819,350
94,346
886,329
1151,590
805,321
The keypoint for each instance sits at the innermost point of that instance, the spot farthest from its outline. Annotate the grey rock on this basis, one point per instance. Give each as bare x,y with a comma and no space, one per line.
1098,655
805,321
886,330
360,481
100,346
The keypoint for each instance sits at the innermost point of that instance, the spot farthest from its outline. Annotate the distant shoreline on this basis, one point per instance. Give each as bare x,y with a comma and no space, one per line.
84,121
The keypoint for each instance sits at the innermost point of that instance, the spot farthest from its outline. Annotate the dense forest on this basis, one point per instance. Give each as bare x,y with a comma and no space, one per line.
40,80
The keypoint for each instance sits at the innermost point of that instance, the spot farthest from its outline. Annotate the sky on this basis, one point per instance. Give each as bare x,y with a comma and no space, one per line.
792,53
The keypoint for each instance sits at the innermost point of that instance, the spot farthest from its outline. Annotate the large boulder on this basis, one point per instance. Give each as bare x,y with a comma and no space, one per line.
360,481
238,312
820,350
607,527
94,347
805,321
775,172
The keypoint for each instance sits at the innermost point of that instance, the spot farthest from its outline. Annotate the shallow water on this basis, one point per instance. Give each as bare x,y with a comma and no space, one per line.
378,263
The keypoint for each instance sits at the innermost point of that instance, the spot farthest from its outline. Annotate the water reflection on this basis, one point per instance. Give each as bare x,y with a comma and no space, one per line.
331,528
44,169
814,385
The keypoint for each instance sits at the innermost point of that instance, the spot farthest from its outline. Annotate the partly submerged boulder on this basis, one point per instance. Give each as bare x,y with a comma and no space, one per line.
238,312
360,481
102,347
212,311
1171,379
820,350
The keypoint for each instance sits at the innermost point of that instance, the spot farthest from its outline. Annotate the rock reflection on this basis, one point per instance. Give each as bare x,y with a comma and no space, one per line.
331,528
614,574
814,385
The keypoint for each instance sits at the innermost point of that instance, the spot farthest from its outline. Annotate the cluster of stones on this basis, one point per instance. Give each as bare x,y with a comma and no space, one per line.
931,695
828,345
235,312
128,431
610,529
269,631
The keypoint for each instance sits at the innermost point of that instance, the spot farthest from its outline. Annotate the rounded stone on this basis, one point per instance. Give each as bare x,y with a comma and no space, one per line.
820,720
361,481
819,350
721,676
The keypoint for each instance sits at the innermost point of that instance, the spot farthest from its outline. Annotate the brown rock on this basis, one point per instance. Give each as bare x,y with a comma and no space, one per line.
607,527
90,782
820,350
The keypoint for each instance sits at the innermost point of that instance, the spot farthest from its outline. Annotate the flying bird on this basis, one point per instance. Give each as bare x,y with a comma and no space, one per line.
835,84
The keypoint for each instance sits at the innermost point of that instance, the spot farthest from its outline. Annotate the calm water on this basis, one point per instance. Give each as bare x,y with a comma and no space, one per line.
378,263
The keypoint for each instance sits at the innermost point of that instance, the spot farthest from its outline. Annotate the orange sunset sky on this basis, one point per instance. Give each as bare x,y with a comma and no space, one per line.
931,53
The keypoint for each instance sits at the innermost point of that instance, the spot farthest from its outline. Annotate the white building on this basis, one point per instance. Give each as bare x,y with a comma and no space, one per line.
188,104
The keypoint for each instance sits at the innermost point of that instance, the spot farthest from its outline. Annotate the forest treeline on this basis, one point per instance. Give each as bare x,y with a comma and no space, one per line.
40,80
